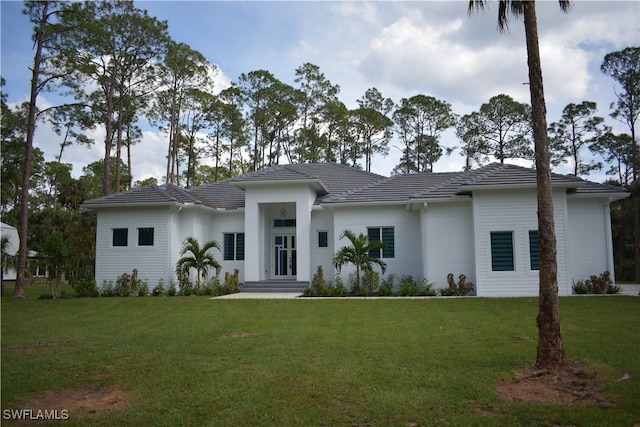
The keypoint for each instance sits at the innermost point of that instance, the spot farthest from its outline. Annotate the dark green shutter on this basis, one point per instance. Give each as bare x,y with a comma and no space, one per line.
240,247
533,250
502,251
229,247
374,236
389,241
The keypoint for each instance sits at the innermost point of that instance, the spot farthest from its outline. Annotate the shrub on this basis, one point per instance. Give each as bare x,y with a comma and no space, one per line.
318,286
580,288
85,288
231,282
370,281
107,289
171,292
143,288
596,285
339,290
462,288
411,287
158,289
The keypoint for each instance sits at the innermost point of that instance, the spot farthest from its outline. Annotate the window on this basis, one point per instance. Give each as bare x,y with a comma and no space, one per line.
384,235
502,251
534,255
323,239
277,223
233,246
120,237
145,236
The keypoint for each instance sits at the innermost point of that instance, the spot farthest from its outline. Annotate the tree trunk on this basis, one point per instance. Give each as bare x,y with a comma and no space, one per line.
28,153
550,351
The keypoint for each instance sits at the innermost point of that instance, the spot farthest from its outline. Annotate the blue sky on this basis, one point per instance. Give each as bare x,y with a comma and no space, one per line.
401,48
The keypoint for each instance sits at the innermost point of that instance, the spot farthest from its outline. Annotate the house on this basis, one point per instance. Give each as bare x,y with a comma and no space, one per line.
279,224
10,248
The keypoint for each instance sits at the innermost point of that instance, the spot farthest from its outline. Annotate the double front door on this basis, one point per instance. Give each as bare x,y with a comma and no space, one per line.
284,256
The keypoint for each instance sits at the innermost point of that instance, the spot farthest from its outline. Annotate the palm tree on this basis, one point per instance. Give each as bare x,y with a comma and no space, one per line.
550,352
358,254
200,259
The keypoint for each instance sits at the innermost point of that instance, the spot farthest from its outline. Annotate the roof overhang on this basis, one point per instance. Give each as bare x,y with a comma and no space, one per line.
316,184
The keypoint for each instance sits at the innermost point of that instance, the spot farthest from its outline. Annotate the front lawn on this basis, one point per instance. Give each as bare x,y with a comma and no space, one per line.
378,362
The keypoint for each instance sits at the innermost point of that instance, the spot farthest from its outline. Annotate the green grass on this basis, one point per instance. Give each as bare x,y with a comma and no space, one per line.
392,362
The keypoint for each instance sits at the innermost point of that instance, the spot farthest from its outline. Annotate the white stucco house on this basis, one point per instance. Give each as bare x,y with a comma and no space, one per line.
278,224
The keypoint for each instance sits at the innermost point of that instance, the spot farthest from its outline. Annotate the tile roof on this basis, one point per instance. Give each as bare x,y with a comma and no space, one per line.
342,184
149,194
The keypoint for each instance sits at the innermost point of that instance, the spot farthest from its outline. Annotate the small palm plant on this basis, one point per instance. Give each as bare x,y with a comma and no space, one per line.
199,259
358,255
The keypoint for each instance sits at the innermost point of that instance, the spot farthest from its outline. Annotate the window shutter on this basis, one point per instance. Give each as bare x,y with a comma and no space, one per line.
502,251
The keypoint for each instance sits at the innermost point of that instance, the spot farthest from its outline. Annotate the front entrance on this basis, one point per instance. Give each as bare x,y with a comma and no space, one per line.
284,256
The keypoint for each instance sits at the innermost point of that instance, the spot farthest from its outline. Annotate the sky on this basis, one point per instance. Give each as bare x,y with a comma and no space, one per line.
402,48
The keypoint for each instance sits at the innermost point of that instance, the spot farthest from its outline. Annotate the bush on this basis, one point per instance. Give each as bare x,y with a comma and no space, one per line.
85,288
462,288
143,288
596,285
231,282
158,289
580,288
370,281
171,292
411,287
107,289
318,286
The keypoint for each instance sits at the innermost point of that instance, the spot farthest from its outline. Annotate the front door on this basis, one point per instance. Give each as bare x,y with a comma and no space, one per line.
284,256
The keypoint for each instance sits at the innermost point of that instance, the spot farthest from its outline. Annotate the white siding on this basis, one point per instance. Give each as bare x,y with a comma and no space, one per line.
408,250
449,241
150,261
322,220
228,222
589,241
515,211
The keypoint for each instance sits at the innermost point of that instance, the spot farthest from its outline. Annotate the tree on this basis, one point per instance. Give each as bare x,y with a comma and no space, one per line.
358,254
419,122
550,351
616,150
500,129
578,127
183,70
624,68
316,94
199,259
372,125
113,48
41,16
55,250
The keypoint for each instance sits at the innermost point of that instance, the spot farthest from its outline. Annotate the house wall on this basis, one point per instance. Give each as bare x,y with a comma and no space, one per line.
322,220
516,211
228,222
589,238
449,241
150,261
408,251
259,202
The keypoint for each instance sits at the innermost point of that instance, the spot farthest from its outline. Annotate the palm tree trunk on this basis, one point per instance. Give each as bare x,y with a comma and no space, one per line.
550,351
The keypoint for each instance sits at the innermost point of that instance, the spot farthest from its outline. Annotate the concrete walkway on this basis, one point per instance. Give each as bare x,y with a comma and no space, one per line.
260,295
